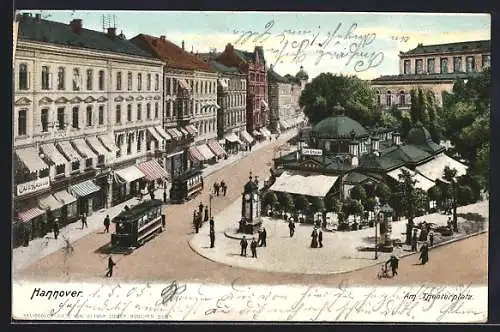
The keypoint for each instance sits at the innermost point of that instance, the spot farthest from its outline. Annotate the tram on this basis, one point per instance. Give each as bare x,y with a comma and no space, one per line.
186,186
135,226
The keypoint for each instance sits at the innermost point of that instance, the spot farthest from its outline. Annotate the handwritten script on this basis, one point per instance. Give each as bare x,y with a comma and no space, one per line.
179,301
344,43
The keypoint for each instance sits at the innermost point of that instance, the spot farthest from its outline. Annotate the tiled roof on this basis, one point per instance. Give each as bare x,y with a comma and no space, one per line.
424,77
219,67
468,46
273,76
169,52
250,56
40,30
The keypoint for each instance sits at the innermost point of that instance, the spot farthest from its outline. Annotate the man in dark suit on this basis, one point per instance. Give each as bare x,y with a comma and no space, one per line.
291,226
320,238
111,264
263,238
106,224
244,245
56,228
212,237
253,247
394,262
212,223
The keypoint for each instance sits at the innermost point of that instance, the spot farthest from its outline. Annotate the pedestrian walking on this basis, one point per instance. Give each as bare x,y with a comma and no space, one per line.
291,227
212,223
244,245
253,248
424,254
212,238
414,240
152,194
449,223
200,207
431,238
196,222
164,196
394,262
314,241
216,188
223,187
111,265
106,224
263,238
84,220
56,228
205,219
320,238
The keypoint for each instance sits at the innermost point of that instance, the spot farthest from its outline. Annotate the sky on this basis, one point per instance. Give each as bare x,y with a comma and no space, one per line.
362,44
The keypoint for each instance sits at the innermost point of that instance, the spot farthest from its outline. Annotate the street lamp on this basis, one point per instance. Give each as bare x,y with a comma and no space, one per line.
210,197
376,211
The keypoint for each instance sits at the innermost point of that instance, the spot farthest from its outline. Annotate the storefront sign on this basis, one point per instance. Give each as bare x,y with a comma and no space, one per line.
312,152
32,186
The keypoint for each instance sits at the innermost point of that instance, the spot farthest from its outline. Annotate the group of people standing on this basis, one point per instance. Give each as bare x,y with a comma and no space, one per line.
244,245
200,216
317,238
220,188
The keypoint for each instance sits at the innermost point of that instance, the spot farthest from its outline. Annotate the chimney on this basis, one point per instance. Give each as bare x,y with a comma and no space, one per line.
112,32
76,25
396,138
162,37
375,144
183,45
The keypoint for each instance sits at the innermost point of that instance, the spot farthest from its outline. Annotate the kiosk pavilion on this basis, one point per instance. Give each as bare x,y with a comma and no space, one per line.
338,153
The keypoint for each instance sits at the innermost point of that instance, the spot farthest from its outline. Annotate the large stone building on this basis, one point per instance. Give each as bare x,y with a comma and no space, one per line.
431,67
231,96
253,65
75,145
284,95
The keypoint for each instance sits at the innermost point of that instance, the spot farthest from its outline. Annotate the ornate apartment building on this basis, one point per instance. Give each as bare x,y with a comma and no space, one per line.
253,65
87,109
431,67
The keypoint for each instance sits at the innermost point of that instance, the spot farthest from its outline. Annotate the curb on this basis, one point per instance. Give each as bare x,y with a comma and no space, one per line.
336,272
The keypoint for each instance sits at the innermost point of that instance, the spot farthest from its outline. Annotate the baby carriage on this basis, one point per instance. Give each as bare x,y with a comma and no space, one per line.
383,273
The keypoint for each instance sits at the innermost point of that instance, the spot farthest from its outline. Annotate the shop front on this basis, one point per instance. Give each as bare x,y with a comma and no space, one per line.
28,225
127,184
154,175
217,149
89,197
69,209
232,143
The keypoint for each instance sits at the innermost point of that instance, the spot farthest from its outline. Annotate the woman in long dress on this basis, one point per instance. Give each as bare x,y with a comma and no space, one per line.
314,242
424,254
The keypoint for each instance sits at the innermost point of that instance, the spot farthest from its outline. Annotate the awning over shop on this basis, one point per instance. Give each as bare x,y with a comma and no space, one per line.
84,188
184,85
51,151
422,182
163,133
155,135
284,124
64,197
84,149
152,170
109,143
174,133
29,214
184,131
434,169
246,137
195,154
99,147
49,202
68,150
30,158
264,104
130,173
265,132
216,148
192,129
206,152
317,185
233,138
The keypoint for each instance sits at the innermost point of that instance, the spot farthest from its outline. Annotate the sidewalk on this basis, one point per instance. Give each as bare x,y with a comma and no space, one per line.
41,247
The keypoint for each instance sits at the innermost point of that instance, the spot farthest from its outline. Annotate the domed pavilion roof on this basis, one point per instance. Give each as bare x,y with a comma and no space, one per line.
339,126
302,74
420,137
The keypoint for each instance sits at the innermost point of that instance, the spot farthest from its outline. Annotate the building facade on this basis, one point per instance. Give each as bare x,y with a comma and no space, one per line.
231,96
431,67
253,65
72,135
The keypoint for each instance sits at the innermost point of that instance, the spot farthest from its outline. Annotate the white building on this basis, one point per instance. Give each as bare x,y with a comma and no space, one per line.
86,105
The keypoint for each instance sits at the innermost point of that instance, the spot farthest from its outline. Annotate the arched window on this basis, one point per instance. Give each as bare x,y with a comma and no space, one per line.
388,98
402,98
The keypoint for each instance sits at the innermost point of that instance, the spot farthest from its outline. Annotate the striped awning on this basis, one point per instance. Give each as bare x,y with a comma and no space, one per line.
216,148
152,170
246,137
174,133
30,158
184,131
156,135
206,152
163,133
283,124
192,129
195,154
51,151
64,197
108,143
84,149
184,85
68,150
97,145
30,214
49,202
232,138
130,173
265,132
85,188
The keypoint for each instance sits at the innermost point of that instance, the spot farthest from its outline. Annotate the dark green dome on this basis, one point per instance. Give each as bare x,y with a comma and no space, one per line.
418,135
339,126
302,74
250,186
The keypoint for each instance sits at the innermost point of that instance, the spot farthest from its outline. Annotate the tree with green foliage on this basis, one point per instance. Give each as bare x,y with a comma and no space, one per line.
464,195
327,90
383,192
407,190
358,193
482,167
269,199
414,107
286,202
449,175
301,203
422,108
317,206
436,195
